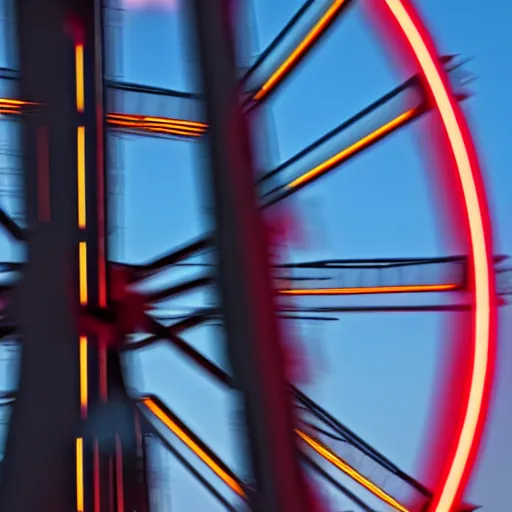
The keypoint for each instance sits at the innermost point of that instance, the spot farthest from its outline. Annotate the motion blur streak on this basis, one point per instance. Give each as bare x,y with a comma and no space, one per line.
319,448
10,106
152,121
336,461
300,50
468,439
153,124
373,289
157,124
182,436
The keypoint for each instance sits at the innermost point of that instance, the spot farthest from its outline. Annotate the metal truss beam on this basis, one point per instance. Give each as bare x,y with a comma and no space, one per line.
151,111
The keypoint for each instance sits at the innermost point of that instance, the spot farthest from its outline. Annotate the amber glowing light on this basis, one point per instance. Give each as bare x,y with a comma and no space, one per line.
367,290
12,107
7,102
79,63
299,50
338,158
337,462
82,260
80,475
233,484
162,125
82,270
193,446
83,375
81,177
417,42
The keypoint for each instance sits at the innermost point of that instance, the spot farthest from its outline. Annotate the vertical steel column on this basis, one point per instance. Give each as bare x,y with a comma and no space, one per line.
251,326
86,18
40,460
111,431
53,464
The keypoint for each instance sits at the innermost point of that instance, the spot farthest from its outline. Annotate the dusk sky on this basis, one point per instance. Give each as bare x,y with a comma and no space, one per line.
374,372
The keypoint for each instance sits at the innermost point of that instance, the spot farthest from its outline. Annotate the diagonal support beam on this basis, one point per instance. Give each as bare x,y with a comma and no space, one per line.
160,411
11,226
222,377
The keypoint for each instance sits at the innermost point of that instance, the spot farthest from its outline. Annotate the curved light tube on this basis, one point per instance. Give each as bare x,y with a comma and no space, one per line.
418,43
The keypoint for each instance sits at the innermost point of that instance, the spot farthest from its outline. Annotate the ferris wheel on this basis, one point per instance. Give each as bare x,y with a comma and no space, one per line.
66,219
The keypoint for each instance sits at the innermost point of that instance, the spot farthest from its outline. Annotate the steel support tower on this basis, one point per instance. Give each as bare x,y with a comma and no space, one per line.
41,439
65,184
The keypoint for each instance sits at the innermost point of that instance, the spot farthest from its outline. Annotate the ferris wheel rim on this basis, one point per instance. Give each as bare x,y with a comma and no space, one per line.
416,40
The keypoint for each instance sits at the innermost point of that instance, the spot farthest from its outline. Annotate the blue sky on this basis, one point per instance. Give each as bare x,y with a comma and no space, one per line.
374,372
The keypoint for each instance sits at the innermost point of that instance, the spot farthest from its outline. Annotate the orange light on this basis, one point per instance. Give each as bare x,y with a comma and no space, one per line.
300,50
476,210
81,177
142,124
119,475
15,103
79,64
79,475
9,106
192,445
155,129
157,124
366,290
83,376
159,129
338,158
337,462
181,122
82,258
197,125
153,124
7,111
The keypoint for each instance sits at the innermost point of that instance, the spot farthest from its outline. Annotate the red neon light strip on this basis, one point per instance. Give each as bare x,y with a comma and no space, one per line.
458,464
